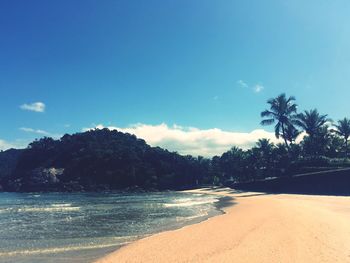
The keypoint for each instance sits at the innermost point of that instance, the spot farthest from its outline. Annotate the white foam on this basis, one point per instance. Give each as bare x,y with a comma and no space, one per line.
61,205
188,218
5,210
49,209
57,249
190,202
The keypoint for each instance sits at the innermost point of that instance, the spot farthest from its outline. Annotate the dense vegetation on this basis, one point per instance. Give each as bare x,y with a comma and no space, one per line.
99,159
104,159
311,142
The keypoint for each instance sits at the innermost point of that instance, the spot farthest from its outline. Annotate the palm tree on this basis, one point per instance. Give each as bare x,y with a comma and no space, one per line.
265,146
292,134
263,152
343,129
232,164
282,111
311,122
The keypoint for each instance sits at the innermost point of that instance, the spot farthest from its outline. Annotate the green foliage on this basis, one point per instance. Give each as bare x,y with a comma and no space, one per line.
8,160
311,122
343,130
104,159
318,143
282,112
113,159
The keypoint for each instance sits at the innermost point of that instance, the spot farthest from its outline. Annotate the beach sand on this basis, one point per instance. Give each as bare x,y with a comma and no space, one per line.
258,228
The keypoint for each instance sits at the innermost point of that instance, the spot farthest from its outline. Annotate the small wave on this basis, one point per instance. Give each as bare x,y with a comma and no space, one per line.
61,205
183,200
190,203
41,209
49,209
5,210
188,218
58,249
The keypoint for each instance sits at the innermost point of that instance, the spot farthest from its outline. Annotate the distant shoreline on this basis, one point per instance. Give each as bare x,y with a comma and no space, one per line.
259,228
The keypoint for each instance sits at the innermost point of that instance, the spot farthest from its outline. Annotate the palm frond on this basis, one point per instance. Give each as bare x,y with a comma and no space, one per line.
267,113
277,130
291,98
267,122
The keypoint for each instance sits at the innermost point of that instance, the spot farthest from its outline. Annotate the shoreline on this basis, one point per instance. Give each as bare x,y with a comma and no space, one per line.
163,211
254,227
221,205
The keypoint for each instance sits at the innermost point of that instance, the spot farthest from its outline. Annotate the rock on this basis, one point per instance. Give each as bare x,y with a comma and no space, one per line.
46,175
39,179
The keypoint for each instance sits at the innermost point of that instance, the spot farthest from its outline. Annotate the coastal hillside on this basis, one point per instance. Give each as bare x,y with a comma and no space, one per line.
8,162
95,160
309,143
100,160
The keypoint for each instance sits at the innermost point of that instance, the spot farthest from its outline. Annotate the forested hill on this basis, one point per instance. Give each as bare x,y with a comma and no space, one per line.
107,160
96,160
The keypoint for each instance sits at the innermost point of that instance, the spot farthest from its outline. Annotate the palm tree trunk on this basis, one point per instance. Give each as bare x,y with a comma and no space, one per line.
346,148
284,136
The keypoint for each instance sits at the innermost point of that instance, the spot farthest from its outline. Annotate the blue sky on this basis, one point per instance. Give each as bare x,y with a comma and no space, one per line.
205,64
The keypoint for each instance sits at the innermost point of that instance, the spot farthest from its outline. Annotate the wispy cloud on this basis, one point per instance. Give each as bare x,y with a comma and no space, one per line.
36,106
258,88
242,84
40,132
25,129
194,141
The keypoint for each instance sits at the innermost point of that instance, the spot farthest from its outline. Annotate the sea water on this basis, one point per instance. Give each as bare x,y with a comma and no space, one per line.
81,227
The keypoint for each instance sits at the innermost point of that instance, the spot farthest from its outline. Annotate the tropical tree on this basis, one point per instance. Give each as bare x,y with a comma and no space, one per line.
311,121
315,125
343,129
319,143
264,150
265,146
281,113
291,134
336,146
232,164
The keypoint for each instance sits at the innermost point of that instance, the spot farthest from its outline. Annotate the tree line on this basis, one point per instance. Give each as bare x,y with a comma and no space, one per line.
311,141
104,159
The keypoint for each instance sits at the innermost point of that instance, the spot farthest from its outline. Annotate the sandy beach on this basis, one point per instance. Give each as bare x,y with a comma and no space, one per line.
258,228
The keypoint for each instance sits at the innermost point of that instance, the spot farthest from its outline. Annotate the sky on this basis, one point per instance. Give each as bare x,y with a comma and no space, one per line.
188,75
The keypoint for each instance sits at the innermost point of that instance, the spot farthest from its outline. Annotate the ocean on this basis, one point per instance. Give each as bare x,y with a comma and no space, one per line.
81,227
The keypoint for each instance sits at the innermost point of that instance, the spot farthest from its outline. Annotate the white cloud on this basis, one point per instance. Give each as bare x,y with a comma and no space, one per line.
194,141
40,132
258,88
18,144
242,84
4,145
36,106
34,131
301,136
